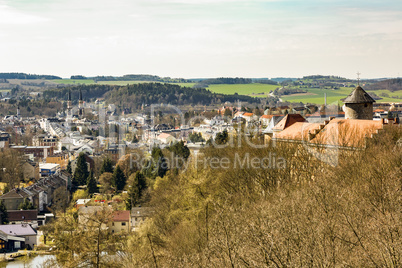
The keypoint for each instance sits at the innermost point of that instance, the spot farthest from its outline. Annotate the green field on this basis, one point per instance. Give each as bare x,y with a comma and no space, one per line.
117,83
243,89
184,84
73,81
334,95
124,83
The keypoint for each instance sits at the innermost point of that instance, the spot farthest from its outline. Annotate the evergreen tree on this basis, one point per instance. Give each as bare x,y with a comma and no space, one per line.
26,205
180,150
118,179
92,187
3,213
222,137
107,166
69,170
136,190
159,165
81,171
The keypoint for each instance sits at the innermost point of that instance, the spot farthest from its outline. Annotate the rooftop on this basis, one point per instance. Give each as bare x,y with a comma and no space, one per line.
121,215
22,215
17,229
359,96
289,120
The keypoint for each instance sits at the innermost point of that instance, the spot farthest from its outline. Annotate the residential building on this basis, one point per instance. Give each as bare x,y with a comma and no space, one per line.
120,222
24,231
139,216
48,169
60,159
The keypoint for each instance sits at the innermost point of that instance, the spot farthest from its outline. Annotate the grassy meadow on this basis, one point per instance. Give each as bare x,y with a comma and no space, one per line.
317,95
117,83
243,89
73,81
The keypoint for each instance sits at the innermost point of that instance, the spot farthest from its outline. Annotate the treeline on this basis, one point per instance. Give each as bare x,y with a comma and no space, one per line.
81,77
223,80
390,84
133,96
327,77
265,81
88,92
140,77
27,76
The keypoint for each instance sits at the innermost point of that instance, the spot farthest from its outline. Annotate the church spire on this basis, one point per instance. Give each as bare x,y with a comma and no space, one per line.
80,95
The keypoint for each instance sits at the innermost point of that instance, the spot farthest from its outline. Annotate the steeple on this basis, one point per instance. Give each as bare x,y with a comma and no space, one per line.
80,95
69,107
358,105
80,106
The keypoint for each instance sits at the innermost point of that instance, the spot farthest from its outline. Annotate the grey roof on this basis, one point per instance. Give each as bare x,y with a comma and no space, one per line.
17,229
359,96
141,212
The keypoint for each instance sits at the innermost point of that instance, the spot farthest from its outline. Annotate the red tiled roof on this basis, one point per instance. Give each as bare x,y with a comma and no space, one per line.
267,116
121,215
289,120
248,114
347,132
297,131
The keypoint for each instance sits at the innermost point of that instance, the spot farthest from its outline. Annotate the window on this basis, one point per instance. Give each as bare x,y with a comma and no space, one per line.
123,224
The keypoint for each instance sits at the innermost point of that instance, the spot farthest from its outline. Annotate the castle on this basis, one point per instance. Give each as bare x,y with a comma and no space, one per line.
358,105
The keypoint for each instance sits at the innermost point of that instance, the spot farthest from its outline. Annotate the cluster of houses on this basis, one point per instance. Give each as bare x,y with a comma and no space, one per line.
63,138
118,221
21,230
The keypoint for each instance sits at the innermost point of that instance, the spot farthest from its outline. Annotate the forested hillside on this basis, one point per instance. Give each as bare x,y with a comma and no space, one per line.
390,84
307,214
133,96
27,76
222,80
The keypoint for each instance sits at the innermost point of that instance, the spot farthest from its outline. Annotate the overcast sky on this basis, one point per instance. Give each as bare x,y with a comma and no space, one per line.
202,38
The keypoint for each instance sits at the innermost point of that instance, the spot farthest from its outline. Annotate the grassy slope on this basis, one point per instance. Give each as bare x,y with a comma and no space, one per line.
117,83
73,81
334,96
242,89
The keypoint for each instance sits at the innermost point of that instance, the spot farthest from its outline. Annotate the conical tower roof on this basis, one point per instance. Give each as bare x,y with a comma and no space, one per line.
359,96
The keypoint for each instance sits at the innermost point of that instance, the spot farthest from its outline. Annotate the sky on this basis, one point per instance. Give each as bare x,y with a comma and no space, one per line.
202,38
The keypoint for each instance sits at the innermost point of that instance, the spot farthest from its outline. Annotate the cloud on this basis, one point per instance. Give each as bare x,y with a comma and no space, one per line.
10,16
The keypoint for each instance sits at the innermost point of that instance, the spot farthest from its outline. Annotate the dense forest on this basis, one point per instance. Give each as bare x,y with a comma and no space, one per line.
27,76
222,80
133,96
389,84
305,214
329,78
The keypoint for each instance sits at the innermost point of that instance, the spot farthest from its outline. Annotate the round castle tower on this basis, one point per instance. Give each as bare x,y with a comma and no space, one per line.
358,105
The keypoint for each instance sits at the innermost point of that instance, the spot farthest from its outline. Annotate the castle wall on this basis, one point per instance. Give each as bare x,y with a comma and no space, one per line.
359,111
